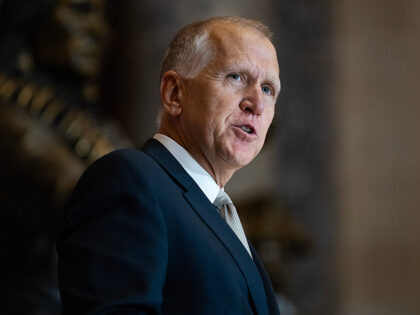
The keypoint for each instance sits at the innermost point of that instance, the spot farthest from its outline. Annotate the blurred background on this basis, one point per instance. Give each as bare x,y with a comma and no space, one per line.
332,201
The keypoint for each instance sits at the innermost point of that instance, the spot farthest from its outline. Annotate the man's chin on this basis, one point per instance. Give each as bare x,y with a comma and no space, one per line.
238,155
243,155
240,160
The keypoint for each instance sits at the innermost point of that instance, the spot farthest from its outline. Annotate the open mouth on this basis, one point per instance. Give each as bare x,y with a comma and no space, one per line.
246,129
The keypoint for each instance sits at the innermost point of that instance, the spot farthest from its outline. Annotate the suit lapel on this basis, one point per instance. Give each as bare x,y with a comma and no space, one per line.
269,291
224,233
207,212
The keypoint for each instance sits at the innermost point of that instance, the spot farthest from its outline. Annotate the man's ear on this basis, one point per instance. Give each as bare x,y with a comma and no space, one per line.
171,92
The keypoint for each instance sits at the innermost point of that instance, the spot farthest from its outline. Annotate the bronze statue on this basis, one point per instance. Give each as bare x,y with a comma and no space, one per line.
51,129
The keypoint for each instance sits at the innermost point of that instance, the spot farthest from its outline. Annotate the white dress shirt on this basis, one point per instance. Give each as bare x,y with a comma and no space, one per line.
203,179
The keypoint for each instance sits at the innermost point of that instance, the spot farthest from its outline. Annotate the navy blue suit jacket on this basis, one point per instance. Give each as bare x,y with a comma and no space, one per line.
141,237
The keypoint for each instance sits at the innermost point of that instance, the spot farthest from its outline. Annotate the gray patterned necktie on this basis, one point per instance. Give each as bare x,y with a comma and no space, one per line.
228,211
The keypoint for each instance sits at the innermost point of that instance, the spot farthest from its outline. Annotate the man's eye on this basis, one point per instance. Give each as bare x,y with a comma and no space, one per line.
235,76
266,89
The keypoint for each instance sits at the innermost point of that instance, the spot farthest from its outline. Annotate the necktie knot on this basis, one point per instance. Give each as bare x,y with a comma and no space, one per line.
222,201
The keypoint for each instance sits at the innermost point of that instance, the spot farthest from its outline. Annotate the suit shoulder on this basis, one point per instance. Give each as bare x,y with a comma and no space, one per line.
123,172
123,159
128,166
125,156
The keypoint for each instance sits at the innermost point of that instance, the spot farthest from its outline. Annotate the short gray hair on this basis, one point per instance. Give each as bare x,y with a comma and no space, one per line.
190,50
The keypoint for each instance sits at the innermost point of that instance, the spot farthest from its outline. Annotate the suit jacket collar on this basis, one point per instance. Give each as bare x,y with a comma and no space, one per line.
207,212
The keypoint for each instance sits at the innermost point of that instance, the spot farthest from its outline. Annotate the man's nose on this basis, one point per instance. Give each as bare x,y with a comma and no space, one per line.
253,101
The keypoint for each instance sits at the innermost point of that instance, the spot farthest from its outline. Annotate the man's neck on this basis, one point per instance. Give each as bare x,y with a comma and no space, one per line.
220,177
201,177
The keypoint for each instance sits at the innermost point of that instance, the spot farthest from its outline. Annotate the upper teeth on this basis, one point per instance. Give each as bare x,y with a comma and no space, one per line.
246,129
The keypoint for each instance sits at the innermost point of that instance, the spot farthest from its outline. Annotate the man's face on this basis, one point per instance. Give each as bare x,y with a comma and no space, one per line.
229,105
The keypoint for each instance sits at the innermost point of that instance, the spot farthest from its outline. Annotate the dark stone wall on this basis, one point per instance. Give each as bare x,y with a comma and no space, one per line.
305,145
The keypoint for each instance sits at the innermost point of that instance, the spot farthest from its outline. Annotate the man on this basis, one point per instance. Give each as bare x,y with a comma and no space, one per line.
143,235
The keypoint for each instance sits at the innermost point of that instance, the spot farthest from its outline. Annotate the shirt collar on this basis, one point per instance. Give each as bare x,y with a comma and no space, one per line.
202,178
